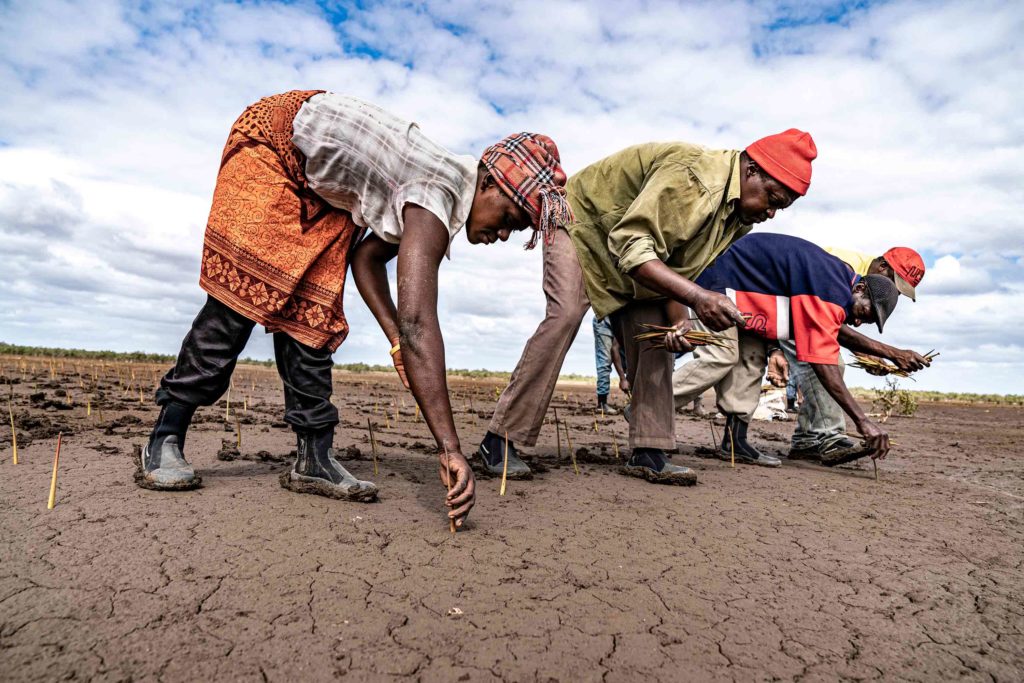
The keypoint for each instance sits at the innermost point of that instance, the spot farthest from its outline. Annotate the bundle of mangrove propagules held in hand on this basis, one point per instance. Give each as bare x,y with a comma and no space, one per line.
882,366
695,337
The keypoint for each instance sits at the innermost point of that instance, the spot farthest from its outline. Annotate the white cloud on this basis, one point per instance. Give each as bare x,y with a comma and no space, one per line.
115,115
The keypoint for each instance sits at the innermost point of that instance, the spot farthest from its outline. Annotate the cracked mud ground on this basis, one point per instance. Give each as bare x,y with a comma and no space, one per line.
798,573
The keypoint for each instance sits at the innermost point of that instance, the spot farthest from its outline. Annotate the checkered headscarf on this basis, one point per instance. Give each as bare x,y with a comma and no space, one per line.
527,168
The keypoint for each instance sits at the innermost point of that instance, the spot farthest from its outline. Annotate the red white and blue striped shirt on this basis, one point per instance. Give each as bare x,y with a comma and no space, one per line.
792,289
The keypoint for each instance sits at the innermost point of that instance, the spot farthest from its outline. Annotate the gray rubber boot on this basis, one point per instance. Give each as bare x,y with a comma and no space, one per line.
652,465
316,471
162,466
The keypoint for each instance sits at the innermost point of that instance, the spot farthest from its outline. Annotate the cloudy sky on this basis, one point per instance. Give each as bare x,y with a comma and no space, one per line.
114,116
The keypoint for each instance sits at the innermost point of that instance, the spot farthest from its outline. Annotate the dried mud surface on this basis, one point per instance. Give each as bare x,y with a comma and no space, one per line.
799,573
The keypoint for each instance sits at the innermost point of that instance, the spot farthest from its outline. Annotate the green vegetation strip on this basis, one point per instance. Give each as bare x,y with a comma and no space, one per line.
141,357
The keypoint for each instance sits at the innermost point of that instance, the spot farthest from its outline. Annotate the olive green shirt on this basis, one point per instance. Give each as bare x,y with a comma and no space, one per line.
669,201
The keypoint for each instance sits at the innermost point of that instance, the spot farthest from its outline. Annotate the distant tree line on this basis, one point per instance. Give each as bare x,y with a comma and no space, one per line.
141,357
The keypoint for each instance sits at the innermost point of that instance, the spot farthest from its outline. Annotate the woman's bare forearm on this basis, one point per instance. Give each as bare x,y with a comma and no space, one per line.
369,269
423,246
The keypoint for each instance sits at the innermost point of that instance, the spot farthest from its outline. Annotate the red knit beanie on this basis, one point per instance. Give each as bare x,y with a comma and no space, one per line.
786,157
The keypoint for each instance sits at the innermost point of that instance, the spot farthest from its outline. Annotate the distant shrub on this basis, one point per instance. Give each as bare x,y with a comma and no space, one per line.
893,401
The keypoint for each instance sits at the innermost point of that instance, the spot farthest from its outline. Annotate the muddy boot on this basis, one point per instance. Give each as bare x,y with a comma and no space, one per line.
735,437
652,465
161,466
492,455
317,472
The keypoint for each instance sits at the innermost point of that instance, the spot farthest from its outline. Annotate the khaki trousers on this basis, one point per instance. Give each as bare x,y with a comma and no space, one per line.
735,373
524,402
652,423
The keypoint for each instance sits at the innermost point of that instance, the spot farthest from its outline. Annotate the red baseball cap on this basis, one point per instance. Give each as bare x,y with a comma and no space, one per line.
787,157
908,267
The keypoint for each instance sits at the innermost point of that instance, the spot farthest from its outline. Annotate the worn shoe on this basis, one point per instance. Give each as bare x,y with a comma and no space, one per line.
605,409
652,465
161,466
735,439
316,471
492,456
843,451
830,451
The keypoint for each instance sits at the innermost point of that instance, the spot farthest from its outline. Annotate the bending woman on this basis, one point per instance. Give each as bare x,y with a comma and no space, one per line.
301,175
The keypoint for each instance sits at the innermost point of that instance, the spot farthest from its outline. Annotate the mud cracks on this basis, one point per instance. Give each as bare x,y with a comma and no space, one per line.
798,573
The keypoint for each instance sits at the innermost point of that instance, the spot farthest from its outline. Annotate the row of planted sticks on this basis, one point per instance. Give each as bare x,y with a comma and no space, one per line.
128,380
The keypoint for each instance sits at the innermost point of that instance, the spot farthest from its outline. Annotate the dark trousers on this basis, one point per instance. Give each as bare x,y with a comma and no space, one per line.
208,355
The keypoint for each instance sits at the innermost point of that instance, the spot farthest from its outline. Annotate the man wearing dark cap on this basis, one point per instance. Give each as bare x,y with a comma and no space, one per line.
821,425
787,288
647,221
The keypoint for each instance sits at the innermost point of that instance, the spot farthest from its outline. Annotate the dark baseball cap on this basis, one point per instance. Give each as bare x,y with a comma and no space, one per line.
884,295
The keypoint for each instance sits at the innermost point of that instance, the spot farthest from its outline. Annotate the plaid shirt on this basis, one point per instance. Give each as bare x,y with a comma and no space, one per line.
371,163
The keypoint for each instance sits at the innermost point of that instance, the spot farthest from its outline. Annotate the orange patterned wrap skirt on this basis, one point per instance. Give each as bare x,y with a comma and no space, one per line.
274,251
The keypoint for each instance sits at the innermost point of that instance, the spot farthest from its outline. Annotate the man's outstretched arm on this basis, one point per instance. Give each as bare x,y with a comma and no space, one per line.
905,359
715,310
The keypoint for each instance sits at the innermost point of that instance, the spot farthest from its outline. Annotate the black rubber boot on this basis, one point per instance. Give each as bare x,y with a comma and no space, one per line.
735,439
652,465
603,407
492,455
791,405
161,464
174,420
317,472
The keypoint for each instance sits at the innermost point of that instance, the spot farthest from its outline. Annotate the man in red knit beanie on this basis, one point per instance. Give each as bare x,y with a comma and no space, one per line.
647,221
786,157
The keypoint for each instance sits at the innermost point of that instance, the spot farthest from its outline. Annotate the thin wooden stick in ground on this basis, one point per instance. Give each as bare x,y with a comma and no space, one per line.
373,445
558,435
875,463
53,480
448,476
732,449
595,421
572,451
238,434
14,432
504,468
615,444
